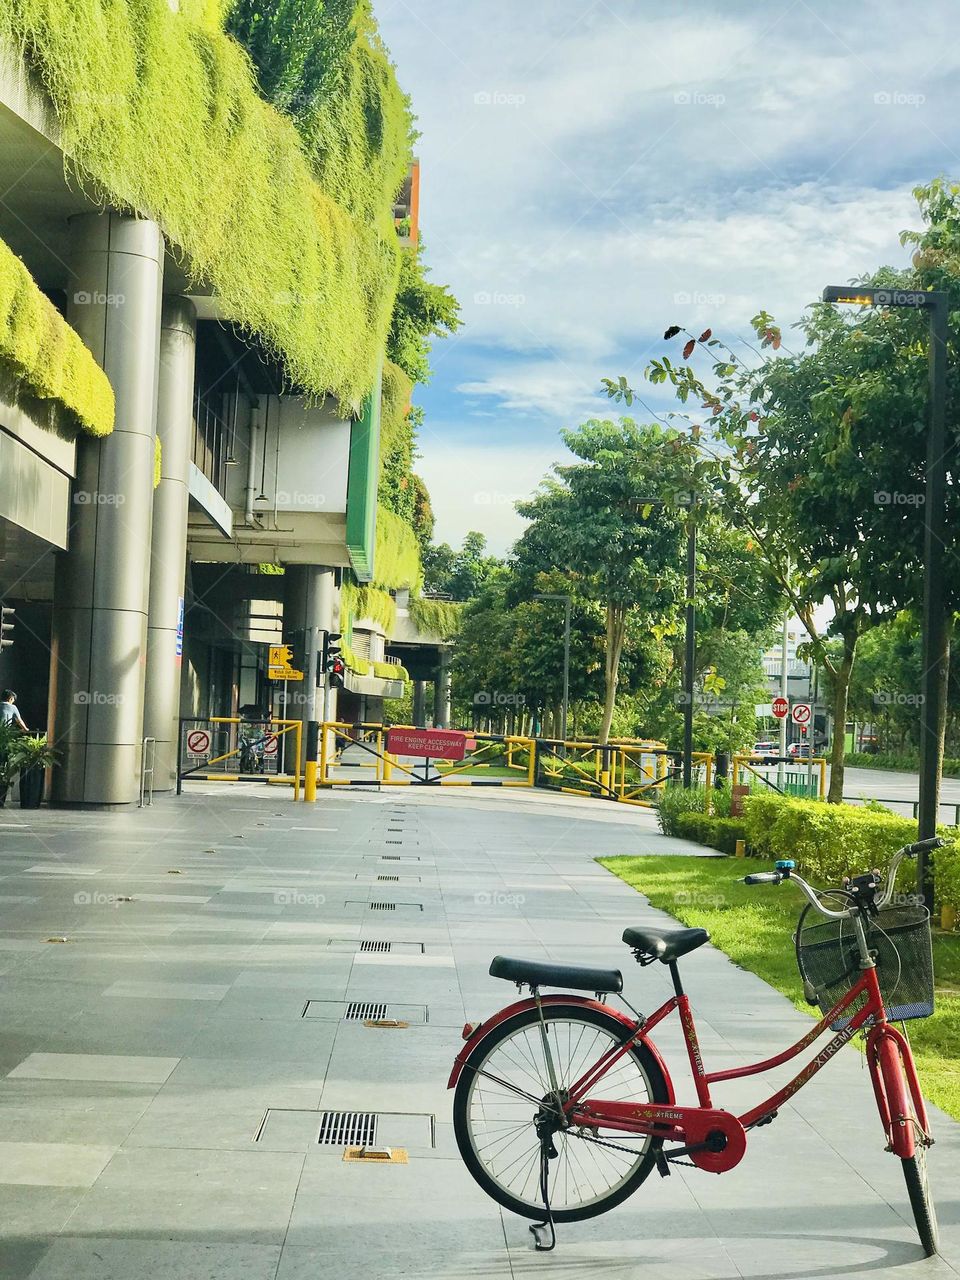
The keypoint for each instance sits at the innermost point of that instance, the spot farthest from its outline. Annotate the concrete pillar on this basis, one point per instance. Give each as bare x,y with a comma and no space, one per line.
161,701
311,604
101,588
441,692
420,703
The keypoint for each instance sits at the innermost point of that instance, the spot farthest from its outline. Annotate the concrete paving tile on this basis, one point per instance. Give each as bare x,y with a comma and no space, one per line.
94,1066
216,1196
51,1164
133,990
103,1258
19,1256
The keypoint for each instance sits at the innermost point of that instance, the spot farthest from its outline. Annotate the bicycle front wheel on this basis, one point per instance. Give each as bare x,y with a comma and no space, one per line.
500,1092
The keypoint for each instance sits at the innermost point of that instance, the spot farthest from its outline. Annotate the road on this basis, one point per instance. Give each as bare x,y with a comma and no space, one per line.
898,790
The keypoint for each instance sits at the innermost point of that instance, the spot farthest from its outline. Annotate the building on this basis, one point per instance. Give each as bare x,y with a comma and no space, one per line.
192,389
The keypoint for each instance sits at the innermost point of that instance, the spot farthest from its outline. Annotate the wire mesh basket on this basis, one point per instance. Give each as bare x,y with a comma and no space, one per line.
899,938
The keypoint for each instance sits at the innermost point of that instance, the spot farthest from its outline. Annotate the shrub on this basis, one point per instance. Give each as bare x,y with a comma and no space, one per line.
946,876
829,841
674,801
718,833
908,762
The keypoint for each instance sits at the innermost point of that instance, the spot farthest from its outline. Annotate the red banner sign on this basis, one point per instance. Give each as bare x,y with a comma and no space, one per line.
436,744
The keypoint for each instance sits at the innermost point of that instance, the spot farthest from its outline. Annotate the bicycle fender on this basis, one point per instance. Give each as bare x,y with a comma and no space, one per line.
894,1079
482,1029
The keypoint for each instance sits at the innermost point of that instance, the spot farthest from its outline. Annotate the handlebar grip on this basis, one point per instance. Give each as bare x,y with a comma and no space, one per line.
923,846
763,877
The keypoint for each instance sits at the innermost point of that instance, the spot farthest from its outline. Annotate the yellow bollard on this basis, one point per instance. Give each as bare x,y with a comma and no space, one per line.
741,849
948,917
310,781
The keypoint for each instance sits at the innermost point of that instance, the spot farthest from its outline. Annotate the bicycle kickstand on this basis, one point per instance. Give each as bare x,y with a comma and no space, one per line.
538,1230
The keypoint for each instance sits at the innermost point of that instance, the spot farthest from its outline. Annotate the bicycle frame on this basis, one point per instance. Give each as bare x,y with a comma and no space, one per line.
716,1138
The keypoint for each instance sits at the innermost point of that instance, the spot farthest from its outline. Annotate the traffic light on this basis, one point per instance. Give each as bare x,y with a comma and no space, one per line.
336,670
6,625
331,650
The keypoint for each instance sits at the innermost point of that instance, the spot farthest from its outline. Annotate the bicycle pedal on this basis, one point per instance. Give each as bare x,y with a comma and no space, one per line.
663,1165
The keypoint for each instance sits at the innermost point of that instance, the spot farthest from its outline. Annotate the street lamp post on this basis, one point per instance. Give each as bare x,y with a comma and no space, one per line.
933,702
556,595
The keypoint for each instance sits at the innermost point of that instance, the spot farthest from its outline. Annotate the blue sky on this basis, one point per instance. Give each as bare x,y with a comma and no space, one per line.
592,172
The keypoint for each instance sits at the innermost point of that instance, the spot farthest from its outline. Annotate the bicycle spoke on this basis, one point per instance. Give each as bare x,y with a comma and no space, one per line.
501,1113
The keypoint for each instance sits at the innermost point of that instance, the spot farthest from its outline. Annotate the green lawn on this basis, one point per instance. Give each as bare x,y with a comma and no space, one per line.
755,926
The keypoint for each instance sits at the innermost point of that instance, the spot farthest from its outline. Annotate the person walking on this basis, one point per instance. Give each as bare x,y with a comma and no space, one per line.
10,719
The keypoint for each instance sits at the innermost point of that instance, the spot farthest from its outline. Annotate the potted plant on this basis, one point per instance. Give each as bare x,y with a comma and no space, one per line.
8,766
32,755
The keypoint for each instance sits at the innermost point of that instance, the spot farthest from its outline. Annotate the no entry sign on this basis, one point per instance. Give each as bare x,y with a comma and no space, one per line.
780,707
801,714
436,744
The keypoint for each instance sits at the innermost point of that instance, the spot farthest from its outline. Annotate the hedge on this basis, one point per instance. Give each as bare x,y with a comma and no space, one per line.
829,841
46,359
159,114
717,833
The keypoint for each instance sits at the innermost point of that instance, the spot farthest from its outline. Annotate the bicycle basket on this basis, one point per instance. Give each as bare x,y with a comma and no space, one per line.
900,941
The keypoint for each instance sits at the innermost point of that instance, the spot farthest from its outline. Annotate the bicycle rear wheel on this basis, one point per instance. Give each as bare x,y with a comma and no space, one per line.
500,1092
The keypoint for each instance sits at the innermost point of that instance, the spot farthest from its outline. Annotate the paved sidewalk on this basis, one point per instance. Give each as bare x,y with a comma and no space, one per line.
163,1065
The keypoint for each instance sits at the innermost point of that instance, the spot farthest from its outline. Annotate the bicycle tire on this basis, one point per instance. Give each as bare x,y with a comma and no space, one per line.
921,1201
648,1065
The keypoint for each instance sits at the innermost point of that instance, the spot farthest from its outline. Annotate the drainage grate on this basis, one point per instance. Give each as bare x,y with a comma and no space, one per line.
347,1129
390,857
392,879
361,1010
393,842
383,906
375,944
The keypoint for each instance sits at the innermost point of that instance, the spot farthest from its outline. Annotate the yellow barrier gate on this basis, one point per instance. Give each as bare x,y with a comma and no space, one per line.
365,746
631,771
234,749
804,778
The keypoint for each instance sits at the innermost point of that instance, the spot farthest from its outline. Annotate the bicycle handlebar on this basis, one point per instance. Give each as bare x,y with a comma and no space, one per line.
813,895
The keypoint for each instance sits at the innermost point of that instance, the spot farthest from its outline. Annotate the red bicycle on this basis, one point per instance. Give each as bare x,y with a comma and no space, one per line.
564,1105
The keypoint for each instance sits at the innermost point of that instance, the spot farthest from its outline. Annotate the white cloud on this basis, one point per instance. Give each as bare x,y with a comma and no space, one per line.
585,167
476,487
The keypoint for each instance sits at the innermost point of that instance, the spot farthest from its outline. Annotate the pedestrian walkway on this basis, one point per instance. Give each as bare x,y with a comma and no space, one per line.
184,988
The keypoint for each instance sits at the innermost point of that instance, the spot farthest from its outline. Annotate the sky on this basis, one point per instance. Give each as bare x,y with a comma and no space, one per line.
593,172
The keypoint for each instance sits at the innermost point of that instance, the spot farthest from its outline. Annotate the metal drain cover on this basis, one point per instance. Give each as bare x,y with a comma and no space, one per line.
347,1129
363,1010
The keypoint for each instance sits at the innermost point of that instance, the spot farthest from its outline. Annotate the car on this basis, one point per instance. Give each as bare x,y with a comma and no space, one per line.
798,750
766,748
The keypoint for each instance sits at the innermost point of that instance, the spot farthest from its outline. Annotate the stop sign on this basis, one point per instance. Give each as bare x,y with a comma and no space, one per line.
780,707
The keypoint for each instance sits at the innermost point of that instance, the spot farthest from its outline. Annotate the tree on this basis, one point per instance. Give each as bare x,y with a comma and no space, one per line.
459,574
603,521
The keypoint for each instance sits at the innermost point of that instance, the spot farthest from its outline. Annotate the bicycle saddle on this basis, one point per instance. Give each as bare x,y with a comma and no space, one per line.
541,973
665,945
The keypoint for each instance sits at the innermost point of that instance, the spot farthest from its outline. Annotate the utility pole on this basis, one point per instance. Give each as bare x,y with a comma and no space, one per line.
690,643
784,693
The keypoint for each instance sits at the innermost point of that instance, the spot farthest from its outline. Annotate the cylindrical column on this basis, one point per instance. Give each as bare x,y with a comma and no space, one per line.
101,589
420,703
441,692
161,700
309,607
